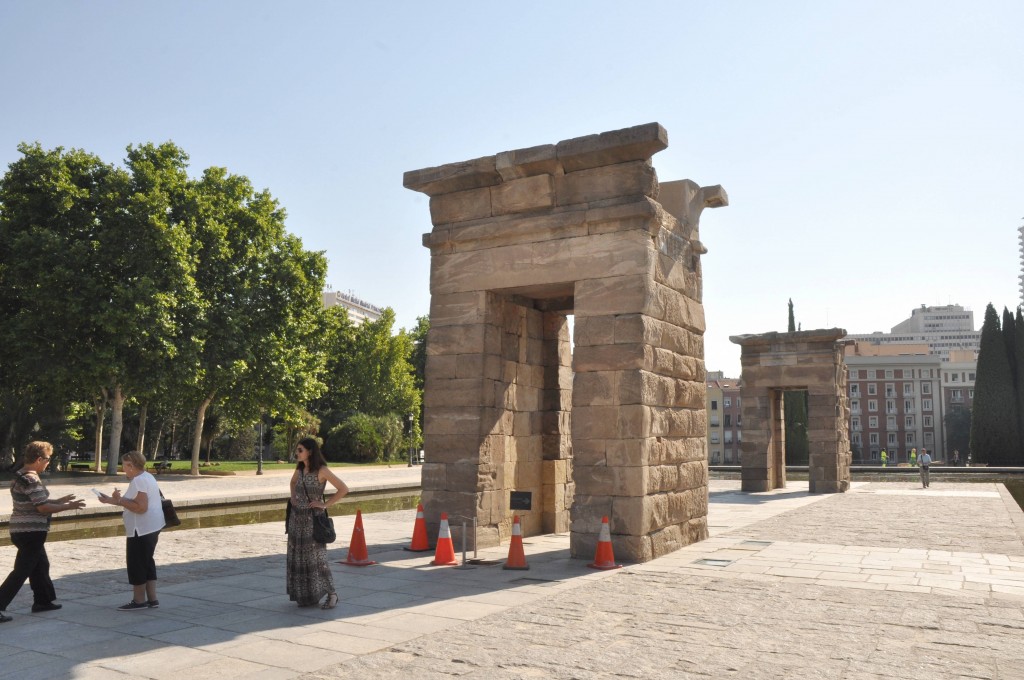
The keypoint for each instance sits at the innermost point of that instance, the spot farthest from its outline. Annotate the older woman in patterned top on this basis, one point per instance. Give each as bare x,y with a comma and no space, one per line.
29,525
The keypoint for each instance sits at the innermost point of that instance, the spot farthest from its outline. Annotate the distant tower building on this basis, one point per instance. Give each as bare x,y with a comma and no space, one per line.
1020,238
358,310
944,329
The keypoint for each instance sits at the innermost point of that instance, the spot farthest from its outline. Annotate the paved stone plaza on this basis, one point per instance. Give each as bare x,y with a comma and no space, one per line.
885,581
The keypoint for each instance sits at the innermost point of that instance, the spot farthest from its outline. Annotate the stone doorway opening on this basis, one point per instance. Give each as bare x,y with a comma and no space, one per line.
518,419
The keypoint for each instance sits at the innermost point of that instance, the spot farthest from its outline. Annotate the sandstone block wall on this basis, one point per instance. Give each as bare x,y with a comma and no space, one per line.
519,240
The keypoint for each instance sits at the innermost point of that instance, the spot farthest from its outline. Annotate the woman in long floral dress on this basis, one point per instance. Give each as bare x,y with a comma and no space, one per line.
309,574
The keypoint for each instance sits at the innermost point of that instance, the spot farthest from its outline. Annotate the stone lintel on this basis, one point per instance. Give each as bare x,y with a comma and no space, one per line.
777,338
637,143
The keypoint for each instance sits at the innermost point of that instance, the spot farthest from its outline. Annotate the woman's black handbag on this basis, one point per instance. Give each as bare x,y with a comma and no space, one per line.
170,514
323,525
323,528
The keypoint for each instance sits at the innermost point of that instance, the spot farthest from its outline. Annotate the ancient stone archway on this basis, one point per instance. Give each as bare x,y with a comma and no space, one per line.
805,360
615,427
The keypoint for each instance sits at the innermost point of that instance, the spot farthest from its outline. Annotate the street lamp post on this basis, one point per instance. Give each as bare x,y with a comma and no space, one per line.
259,450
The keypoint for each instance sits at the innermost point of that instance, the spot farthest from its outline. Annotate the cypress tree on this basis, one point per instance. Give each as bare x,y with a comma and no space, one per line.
1019,382
995,437
1009,331
795,409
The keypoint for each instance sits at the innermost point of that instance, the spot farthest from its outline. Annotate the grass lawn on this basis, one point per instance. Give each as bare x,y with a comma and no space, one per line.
225,466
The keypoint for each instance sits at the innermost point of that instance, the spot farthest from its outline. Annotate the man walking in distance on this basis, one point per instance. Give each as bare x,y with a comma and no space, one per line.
924,460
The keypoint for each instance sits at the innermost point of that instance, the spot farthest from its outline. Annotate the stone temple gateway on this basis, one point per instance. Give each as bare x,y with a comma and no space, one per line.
613,424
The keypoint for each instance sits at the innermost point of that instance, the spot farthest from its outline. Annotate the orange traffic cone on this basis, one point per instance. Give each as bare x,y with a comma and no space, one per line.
604,558
419,532
444,556
516,557
357,556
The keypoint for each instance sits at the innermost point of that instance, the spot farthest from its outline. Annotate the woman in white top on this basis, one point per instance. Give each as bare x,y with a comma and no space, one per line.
143,520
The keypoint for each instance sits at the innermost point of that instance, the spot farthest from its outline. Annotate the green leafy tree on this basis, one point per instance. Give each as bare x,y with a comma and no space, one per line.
262,324
995,437
795,415
365,438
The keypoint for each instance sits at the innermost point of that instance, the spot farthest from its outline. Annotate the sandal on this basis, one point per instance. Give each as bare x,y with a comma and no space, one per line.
331,602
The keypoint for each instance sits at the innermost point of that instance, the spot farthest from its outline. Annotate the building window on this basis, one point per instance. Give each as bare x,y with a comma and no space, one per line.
956,395
853,374
873,422
871,374
728,436
872,389
888,374
714,437
929,439
954,377
890,390
908,405
856,438
890,406
927,421
970,394
908,389
714,404
855,423
716,457
855,390
908,421
727,402
873,438
970,377
926,388
728,420
910,439
926,404
890,422
872,405
855,406
891,439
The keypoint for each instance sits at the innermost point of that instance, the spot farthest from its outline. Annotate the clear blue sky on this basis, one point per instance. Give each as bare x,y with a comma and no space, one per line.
873,151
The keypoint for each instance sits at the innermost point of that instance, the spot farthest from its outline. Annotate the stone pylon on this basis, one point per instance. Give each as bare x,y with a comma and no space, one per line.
611,424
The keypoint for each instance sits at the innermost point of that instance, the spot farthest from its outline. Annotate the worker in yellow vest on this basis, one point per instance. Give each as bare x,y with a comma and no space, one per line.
885,458
913,457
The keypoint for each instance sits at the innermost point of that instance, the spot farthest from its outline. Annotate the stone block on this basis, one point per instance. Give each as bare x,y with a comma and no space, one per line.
460,206
445,340
445,179
451,420
441,367
595,422
458,309
434,475
667,540
528,478
555,472
595,330
521,195
614,295
587,511
625,179
536,160
454,392
600,388
608,358
617,146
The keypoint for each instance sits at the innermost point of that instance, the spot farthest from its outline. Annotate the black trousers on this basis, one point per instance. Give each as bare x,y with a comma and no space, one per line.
31,563
139,556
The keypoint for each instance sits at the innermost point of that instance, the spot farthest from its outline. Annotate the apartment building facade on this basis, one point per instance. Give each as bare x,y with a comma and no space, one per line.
725,429
896,402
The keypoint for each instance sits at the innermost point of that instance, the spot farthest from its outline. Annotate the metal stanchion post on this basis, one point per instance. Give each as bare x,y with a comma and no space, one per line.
464,564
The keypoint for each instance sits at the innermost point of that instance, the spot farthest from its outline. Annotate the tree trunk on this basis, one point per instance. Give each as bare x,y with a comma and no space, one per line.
99,405
141,441
155,452
116,427
197,436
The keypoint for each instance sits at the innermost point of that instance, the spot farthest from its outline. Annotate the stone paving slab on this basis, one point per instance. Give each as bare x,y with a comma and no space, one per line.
785,602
